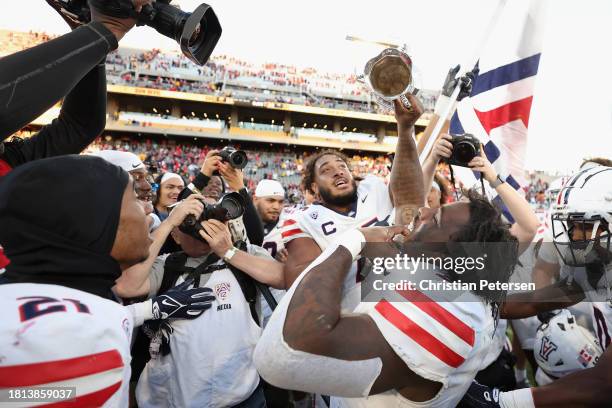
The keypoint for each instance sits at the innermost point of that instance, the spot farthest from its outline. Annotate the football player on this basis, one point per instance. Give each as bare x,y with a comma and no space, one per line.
581,232
344,204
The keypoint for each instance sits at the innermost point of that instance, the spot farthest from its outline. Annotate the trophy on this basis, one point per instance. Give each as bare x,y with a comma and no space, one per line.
389,77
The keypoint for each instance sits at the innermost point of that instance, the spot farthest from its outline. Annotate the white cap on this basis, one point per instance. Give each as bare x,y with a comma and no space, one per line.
126,160
168,176
268,188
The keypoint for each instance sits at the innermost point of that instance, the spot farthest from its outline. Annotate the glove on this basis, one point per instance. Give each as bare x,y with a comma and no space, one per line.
480,396
466,82
75,13
182,303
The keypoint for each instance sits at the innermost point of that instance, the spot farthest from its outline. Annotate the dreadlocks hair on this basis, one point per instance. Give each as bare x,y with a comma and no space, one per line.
309,169
487,235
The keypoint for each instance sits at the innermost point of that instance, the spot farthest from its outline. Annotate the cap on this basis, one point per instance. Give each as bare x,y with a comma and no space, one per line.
168,176
126,160
268,188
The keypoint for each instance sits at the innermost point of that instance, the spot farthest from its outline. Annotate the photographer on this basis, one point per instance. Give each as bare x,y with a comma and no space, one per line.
189,366
207,182
33,80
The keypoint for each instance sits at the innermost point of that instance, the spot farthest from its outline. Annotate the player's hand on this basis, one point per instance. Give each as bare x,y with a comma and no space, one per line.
282,255
443,148
182,303
217,235
483,165
480,396
118,26
191,205
233,177
211,163
407,117
383,234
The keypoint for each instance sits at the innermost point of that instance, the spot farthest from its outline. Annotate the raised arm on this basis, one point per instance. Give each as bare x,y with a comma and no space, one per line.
406,183
526,222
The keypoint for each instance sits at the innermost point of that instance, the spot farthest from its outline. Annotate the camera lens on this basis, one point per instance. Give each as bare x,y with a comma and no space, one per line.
238,159
233,207
464,152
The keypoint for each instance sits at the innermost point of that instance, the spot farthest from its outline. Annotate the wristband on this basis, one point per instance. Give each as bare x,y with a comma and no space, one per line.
141,312
230,254
496,183
354,241
522,398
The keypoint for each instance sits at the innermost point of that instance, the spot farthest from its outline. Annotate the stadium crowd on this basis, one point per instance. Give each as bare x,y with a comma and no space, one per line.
158,273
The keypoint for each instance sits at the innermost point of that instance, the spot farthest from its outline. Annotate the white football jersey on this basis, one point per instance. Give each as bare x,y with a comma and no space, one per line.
443,341
51,335
324,225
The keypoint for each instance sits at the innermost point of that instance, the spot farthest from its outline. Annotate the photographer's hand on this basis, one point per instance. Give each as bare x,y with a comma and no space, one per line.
118,26
233,177
211,163
191,205
217,235
442,149
483,165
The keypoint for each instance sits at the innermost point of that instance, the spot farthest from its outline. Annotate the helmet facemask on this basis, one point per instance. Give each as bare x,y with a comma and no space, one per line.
590,244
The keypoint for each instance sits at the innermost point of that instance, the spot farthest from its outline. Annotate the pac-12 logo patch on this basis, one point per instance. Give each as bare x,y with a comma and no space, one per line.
314,215
222,290
546,348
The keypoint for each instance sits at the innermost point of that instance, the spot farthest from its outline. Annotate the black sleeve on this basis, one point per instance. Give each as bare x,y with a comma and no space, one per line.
81,119
252,222
33,80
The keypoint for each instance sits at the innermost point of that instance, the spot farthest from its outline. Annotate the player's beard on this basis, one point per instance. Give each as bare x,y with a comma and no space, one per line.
345,199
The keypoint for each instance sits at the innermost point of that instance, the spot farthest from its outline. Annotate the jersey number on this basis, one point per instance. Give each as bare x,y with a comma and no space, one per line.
271,248
41,305
602,328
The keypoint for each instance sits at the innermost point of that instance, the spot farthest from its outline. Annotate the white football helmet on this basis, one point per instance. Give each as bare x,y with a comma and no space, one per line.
554,187
562,346
585,202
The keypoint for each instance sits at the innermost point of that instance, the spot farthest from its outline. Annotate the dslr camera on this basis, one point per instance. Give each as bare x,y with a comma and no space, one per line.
236,158
465,148
197,33
229,207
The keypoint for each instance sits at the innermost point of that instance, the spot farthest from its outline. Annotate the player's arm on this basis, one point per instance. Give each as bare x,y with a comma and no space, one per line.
526,304
315,325
301,253
585,388
544,273
406,189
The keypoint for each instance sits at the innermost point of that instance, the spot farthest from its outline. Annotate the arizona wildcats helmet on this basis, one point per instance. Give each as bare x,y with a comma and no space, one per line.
562,347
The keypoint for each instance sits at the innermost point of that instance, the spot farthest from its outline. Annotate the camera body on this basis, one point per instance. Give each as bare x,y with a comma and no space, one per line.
236,158
197,33
465,148
229,207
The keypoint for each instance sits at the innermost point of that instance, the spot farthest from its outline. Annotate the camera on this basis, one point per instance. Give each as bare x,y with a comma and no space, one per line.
229,207
465,148
236,158
197,33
